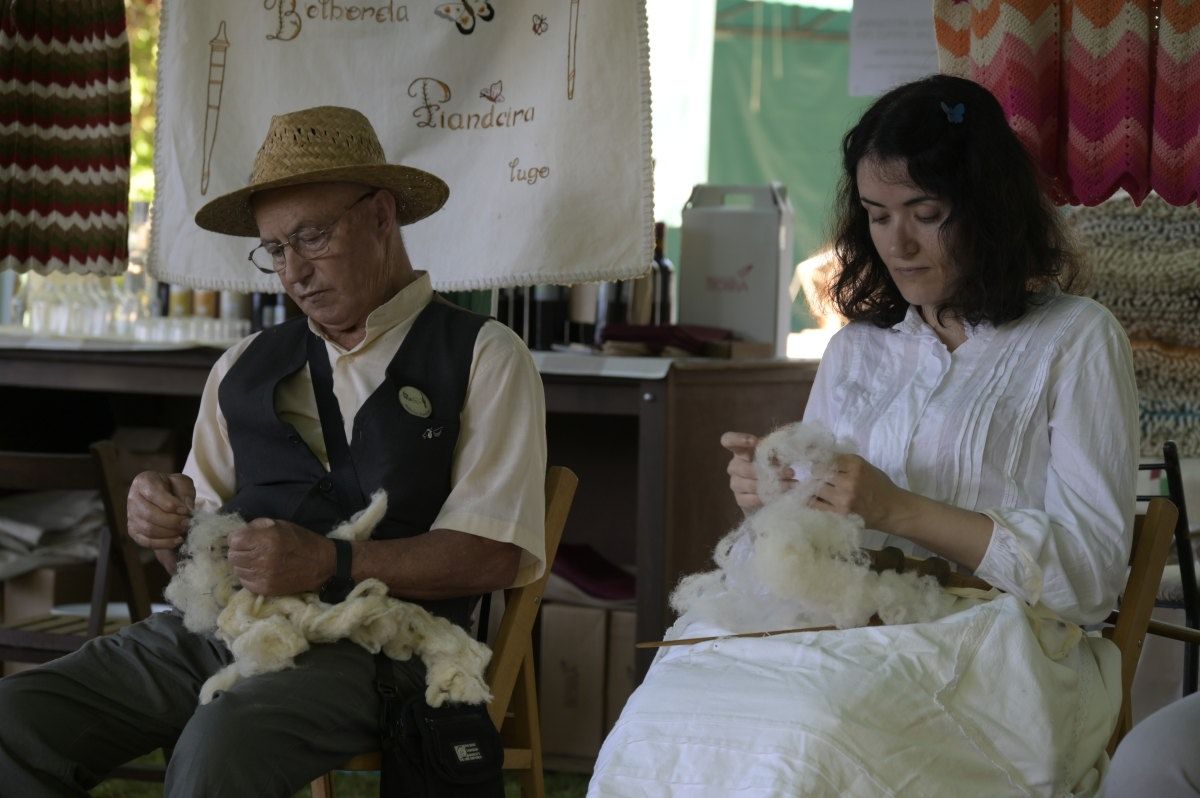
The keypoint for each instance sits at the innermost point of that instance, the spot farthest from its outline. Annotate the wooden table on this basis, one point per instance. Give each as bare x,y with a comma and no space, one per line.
653,488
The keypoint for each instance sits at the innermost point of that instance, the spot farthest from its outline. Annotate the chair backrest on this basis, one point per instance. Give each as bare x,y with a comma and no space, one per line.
44,471
1152,536
30,471
125,554
521,604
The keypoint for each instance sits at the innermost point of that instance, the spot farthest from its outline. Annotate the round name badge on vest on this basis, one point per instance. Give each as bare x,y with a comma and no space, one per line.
415,401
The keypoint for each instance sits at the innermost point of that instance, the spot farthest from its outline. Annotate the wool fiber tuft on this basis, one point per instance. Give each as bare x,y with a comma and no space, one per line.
266,633
788,565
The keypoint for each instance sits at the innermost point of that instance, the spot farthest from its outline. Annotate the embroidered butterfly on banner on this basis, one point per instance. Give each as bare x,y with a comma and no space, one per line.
540,24
464,14
494,93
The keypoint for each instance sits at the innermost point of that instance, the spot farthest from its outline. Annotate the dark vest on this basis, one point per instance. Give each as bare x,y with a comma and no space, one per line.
393,447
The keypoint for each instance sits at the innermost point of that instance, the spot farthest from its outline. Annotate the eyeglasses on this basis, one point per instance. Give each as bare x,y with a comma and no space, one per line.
307,242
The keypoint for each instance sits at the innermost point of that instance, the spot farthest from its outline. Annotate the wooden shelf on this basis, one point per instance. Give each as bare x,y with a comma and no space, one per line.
653,489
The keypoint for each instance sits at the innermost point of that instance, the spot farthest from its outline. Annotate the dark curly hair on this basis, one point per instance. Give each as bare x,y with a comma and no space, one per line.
1002,232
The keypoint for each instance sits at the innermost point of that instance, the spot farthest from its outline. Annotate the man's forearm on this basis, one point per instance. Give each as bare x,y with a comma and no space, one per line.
439,564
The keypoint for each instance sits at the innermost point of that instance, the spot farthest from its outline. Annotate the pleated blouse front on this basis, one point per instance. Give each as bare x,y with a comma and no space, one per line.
1032,423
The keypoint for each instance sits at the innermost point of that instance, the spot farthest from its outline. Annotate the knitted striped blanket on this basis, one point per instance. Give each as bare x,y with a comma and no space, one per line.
1101,91
64,136
1145,265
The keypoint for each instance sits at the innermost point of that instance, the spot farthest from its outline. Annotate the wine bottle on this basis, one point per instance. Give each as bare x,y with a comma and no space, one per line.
549,315
666,303
262,310
285,308
611,307
164,299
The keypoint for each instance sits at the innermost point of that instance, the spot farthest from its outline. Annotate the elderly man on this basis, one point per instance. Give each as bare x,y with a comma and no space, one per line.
383,385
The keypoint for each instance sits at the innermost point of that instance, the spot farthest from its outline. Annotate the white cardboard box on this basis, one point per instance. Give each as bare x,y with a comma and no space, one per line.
735,261
571,680
620,668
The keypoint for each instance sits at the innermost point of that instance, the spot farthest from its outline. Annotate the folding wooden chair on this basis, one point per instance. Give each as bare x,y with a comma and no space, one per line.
514,707
1152,536
1187,569
1127,627
47,637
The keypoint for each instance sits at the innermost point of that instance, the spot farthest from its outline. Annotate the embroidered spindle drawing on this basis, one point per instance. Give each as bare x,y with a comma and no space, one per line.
572,36
217,49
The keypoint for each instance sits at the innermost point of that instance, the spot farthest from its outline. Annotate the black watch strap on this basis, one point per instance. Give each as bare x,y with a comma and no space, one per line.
344,553
338,587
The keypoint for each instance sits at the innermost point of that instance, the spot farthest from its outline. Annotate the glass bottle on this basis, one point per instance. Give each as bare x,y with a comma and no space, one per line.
549,315
611,307
20,300
164,299
666,303
258,310
266,310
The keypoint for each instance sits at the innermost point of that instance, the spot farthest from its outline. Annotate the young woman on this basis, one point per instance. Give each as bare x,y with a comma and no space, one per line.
995,422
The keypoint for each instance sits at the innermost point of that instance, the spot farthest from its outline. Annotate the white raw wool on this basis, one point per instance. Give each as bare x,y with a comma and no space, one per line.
808,449
266,633
788,565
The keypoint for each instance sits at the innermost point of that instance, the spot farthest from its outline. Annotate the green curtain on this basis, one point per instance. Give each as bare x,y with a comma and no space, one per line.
795,135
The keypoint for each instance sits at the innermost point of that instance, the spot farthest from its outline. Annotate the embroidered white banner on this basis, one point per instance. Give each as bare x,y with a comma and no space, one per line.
535,112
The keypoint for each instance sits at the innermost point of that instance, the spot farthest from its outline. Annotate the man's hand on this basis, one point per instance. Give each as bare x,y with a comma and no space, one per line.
276,558
159,511
858,487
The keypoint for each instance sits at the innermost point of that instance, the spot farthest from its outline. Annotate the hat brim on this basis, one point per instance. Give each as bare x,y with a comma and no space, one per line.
418,194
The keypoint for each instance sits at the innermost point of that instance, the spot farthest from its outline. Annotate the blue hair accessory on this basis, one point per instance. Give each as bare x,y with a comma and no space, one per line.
955,114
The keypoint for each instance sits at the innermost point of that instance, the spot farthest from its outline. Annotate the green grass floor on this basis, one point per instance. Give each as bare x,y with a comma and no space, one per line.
345,785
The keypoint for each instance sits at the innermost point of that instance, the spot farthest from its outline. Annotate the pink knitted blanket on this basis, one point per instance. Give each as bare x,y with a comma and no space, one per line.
1103,92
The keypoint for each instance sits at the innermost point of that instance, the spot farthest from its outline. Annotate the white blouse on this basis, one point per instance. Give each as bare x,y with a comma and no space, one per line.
1033,424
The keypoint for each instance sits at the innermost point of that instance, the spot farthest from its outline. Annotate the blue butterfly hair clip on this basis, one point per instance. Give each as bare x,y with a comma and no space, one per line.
955,114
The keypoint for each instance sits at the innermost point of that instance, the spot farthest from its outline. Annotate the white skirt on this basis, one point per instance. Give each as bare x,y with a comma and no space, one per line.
996,699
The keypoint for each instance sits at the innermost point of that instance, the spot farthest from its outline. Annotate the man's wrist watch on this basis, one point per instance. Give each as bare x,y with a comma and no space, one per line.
341,583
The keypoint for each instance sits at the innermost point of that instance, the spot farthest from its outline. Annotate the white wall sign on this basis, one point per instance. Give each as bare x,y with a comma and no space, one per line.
891,42
535,112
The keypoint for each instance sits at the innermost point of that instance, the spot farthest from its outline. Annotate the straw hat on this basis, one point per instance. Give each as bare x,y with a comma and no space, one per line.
318,145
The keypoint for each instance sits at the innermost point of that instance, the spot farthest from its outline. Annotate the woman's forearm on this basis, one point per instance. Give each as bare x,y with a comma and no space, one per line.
959,535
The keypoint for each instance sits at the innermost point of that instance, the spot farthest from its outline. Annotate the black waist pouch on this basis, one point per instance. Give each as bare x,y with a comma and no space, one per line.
452,751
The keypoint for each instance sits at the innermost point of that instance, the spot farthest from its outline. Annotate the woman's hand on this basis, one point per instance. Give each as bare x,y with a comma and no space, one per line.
743,479
743,476
858,487
274,558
